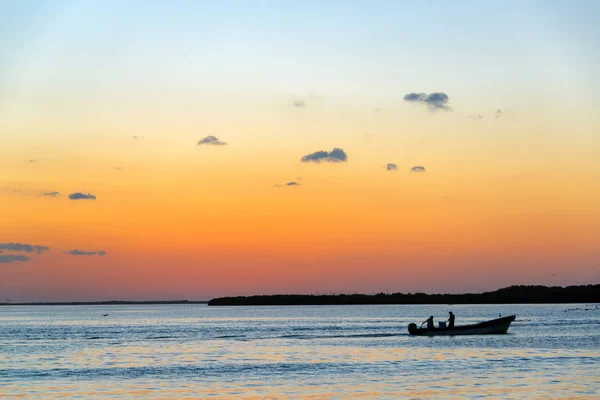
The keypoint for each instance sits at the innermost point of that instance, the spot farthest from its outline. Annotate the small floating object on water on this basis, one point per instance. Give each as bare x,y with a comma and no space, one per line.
105,315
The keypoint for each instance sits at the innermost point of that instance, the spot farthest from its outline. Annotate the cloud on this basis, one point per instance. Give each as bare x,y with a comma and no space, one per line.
418,168
51,194
475,116
9,258
290,183
76,252
391,167
213,140
81,196
28,248
498,113
119,168
298,103
435,101
317,156
335,155
32,161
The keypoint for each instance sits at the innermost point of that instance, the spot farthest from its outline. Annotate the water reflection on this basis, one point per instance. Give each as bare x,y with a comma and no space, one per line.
344,352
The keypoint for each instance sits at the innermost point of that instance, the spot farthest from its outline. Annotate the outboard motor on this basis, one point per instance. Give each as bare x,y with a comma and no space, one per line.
412,328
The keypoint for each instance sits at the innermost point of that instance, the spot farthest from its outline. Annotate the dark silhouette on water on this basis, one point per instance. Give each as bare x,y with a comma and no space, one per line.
451,320
105,315
429,322
508,295
492,327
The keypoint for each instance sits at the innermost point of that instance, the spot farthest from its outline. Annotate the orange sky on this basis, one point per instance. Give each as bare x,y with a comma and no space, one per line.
510,193
196,222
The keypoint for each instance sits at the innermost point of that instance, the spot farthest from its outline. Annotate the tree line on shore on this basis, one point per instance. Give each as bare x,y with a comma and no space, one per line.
510,295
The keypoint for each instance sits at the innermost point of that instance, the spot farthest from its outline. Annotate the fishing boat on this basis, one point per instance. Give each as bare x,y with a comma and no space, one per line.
492,327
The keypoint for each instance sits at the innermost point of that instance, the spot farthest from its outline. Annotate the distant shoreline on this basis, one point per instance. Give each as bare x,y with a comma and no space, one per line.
104,303
509,295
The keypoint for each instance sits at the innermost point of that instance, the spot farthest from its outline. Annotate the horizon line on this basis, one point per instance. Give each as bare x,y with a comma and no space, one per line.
184,301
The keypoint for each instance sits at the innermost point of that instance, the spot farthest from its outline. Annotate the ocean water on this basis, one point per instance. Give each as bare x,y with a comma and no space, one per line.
196,351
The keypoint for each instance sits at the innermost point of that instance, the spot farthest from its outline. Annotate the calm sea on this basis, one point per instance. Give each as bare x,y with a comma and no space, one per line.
196,351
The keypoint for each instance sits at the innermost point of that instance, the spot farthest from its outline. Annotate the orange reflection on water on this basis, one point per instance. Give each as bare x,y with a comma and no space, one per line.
282,368
342,388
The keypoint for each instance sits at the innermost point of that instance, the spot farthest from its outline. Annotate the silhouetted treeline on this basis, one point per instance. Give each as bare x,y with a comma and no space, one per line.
104,303
508,295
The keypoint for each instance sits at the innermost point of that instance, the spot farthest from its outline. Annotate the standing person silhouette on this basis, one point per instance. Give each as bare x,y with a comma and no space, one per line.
451,320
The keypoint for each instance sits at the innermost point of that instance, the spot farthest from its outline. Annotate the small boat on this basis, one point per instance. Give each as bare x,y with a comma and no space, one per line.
492,327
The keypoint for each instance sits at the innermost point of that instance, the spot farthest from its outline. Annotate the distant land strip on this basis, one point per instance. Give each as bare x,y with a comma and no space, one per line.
509,295
103,303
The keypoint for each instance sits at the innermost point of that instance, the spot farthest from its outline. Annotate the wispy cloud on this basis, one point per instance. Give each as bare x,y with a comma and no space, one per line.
391,167
28,248
418,168
498,113
10,258
297,182
51,194
119,168
10,190
476,116
19,192
298,103
435,101
81,196
335,155
31,161
76,252
211,140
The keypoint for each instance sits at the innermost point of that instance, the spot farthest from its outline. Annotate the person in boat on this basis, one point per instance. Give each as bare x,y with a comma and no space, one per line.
429,322
451,320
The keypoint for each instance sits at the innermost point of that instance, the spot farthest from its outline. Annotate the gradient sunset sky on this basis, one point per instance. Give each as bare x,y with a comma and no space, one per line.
188,150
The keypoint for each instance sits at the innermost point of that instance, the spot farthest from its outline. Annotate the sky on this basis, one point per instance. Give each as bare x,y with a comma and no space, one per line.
189,150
